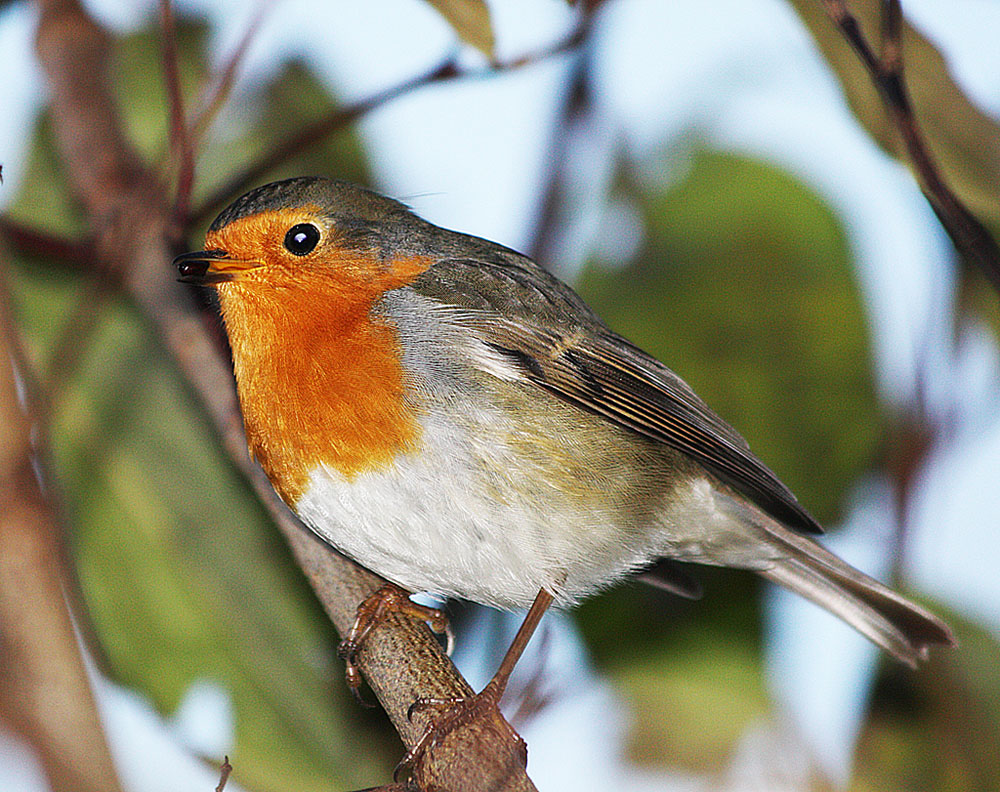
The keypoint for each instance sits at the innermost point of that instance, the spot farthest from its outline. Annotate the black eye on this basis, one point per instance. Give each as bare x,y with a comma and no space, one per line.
301,239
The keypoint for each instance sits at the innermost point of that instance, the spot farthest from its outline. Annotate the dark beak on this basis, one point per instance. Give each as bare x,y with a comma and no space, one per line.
194,267
207,267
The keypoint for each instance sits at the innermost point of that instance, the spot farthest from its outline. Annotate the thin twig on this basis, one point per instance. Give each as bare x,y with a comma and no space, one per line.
41,243
577,102
216,96
313,134
446,71
183,153
970,237
224,772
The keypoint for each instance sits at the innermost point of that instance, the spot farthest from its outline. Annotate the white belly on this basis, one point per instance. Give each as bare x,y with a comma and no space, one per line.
461,518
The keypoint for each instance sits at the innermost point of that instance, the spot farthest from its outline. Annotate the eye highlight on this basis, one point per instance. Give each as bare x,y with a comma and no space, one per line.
301,239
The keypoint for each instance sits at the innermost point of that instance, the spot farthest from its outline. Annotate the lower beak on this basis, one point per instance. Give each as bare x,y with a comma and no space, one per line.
206,267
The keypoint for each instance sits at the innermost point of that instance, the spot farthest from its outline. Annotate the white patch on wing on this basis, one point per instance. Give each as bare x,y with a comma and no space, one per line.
487,359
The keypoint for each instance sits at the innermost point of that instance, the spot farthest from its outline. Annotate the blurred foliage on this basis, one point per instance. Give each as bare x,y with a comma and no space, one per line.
44,200
964,140
936,731
691,703
182,573
745,287
471,21
977,299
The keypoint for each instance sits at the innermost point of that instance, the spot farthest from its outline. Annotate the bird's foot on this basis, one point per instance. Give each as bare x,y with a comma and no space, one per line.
390,598
451,714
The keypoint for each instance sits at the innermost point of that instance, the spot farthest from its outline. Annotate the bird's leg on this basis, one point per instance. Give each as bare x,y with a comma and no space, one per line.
389,598
453,713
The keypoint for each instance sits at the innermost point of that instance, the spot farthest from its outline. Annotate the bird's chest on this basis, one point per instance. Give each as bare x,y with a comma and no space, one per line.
443,518
332,396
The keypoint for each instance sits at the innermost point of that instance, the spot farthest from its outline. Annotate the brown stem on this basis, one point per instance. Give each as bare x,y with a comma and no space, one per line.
576,104
217,94
969,236
41,243
224,772
134,227
44,690
183,152
446,71
313,134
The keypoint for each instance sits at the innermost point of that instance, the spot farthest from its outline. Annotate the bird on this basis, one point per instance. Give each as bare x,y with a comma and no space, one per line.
447,413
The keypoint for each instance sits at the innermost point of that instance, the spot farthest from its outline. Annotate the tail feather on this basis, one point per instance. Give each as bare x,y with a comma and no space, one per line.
901,627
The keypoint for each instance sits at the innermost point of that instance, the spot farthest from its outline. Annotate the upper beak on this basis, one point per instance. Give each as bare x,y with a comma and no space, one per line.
210,266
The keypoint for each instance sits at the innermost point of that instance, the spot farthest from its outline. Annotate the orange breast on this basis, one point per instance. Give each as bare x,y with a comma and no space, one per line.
320,381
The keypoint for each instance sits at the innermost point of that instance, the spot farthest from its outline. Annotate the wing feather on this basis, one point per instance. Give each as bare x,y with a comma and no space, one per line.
546,331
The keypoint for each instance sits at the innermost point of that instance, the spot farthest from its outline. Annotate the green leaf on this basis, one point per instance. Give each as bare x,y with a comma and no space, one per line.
744,287
963,139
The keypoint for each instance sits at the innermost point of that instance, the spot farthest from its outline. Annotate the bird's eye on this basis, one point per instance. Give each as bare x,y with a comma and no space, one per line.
301,239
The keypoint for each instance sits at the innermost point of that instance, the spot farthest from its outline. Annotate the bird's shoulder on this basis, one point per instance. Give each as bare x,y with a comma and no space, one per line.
530,326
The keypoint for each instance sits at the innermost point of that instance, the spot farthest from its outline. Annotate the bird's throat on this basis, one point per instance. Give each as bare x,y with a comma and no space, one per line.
320,384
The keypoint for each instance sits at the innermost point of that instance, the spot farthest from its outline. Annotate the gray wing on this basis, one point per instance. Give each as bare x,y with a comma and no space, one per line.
544,330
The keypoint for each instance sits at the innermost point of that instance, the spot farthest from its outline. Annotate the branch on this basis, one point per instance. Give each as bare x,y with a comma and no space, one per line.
401,658
446,71
183,151
41,243
215,96
970,237
577,103
44,690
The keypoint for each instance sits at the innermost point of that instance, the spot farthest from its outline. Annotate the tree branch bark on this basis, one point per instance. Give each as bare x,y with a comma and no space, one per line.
44,690
970,237
136,229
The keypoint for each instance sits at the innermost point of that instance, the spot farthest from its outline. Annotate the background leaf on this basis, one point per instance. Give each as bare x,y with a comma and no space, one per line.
964,140
471,20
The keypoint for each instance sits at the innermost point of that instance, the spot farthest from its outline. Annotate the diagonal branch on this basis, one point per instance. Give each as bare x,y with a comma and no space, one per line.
44,690
446,71
133,223
216,95
183,152
970,237
313,134
41,243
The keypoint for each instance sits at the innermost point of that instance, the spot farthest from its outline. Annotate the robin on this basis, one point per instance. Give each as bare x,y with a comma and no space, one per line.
454,418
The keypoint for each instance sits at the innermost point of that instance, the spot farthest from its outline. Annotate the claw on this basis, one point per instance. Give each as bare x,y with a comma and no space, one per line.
390,598
452,714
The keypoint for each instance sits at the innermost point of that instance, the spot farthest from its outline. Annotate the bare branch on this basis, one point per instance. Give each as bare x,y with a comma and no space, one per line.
183,153
446,71
44,690
73,51
576,104
216,96
312,135
224,772
970,237
41,243
134,229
